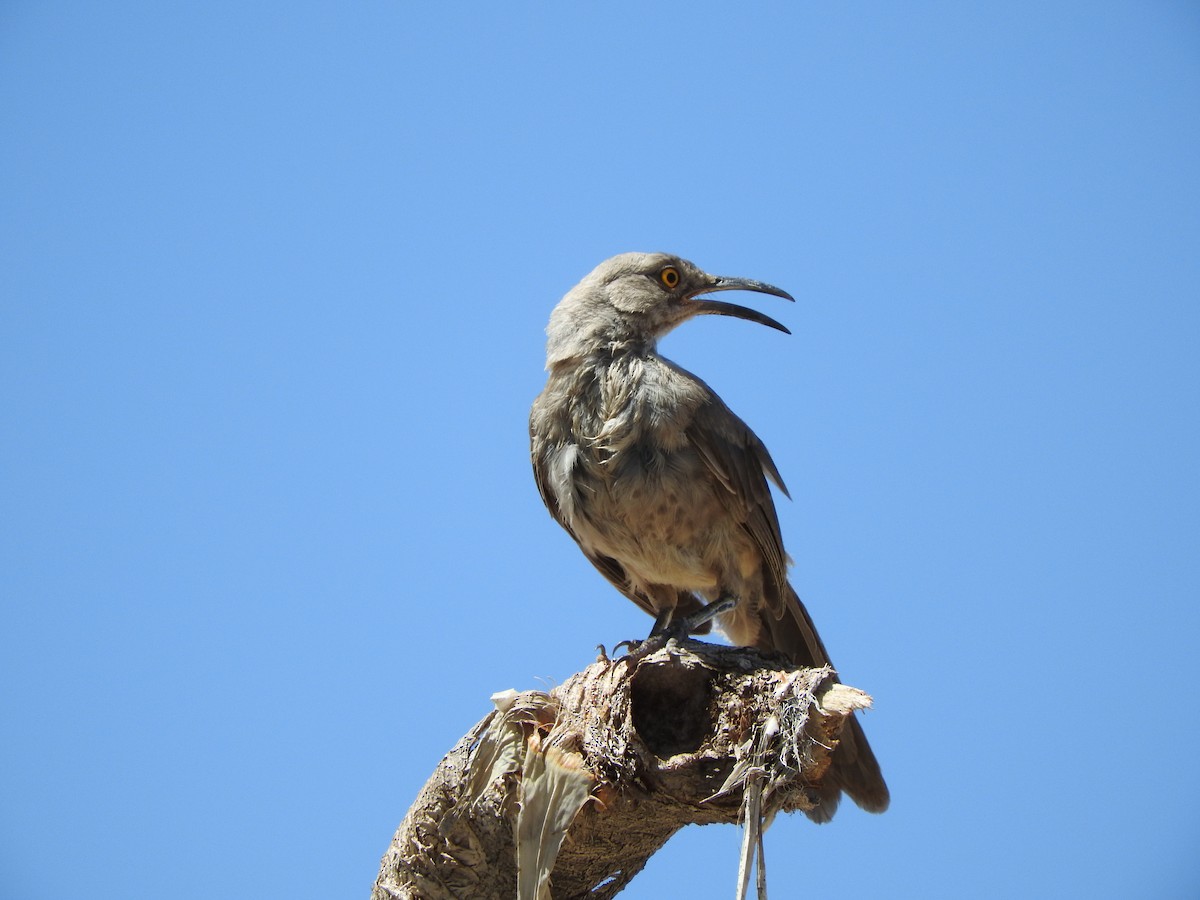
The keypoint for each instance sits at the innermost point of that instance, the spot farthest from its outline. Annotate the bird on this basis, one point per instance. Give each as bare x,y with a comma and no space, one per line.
665,490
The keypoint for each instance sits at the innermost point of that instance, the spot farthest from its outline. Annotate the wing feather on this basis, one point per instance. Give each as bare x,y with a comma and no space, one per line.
742,465
544,473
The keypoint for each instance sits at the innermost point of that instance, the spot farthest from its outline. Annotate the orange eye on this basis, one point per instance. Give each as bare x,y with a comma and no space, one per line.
669,276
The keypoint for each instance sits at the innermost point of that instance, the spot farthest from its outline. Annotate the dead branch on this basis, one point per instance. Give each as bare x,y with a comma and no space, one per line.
573,790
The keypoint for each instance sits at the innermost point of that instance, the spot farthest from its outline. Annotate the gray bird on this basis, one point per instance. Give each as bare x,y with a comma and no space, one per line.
663,487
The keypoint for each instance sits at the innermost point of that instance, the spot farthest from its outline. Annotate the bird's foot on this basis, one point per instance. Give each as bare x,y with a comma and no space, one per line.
666,630
636,651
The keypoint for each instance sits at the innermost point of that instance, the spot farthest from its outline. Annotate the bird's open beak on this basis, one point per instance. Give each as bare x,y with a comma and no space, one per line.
703,306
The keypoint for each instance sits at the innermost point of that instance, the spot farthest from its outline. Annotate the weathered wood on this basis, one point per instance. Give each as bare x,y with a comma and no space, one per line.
645,745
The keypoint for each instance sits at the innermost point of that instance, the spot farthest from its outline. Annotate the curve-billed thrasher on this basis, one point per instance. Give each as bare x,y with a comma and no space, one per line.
663,487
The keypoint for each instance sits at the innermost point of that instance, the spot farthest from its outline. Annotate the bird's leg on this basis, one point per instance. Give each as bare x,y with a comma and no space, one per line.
702,617
662,622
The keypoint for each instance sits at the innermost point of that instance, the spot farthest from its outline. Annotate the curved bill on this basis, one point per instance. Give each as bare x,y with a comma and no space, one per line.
705,306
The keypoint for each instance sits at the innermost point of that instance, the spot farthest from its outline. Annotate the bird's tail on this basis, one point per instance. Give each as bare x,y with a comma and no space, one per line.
854,768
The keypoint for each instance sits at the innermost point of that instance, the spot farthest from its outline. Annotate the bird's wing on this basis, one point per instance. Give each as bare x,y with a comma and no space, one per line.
741,464
608,567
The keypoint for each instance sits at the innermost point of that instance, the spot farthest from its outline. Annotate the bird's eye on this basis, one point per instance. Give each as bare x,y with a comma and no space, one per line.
669,276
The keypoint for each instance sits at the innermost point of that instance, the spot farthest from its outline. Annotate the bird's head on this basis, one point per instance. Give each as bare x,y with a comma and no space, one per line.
636,298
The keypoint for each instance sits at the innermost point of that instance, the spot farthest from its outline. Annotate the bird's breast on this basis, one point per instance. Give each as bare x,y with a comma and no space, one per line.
625,477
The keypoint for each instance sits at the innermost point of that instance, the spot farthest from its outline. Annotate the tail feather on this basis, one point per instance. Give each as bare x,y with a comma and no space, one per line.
854,768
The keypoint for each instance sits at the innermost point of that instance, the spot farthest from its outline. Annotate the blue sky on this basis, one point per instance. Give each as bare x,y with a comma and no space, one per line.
273,284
